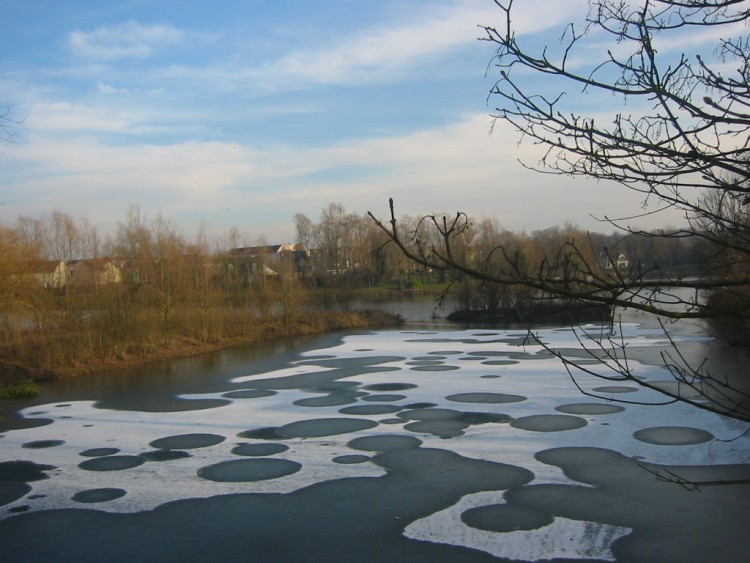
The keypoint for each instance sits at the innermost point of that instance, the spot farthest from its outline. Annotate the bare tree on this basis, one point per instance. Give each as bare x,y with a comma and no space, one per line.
31,233
133,241
331,238
63,237
304,229
680,138
90,241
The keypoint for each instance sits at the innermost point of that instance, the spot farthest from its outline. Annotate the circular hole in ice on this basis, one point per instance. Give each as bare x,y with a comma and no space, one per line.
590,408
505,518
187,441
249,394
365,410
420,405
165,455
429,414
499,362
264,433
384,398
350,459
325,427
259,450
549,422
247,470
389,386
39,444
112,463
99,452
485,398
673,435
391,421
434,368
615,389
98,495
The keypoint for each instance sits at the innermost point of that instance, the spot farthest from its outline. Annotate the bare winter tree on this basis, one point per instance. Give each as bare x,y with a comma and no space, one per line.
680,138
304,229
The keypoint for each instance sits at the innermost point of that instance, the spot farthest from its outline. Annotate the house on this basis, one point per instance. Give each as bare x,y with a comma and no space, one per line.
622,261
97,271
48,273
271,260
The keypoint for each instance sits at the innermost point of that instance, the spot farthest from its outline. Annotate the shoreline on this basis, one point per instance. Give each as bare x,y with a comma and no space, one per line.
181,346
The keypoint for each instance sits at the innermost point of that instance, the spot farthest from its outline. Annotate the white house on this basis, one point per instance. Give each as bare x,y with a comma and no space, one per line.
49,273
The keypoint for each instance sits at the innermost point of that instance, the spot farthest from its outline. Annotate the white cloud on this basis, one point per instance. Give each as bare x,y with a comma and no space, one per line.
387,51
126,40
64,118
458,167
104,88
375,53
107,136
372,54
68,116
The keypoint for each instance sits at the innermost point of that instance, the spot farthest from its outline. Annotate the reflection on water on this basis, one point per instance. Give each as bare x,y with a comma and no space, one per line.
419,444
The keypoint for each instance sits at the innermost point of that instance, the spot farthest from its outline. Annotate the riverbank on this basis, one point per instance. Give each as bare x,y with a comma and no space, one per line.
17,374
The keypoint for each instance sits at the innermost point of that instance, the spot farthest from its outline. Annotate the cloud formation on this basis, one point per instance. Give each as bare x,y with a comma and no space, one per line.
123,41
246,115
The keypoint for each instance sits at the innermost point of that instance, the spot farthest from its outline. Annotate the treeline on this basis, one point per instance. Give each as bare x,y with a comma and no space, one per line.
350,243
72,299
559,255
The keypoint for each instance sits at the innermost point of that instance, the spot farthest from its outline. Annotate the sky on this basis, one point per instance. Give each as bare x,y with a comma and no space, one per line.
242,113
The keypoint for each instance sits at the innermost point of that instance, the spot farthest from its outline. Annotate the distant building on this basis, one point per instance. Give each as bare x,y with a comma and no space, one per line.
98,271
271,260
622,262
48,273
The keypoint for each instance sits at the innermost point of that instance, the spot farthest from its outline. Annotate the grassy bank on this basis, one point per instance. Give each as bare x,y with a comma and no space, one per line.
72,347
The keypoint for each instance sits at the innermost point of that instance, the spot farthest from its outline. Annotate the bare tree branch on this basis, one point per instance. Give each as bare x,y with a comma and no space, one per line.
680,139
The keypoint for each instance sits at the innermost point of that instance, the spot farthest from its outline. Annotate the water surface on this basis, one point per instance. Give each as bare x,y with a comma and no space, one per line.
430,443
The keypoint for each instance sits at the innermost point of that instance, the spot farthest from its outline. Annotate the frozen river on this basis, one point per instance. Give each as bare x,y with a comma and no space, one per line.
429,444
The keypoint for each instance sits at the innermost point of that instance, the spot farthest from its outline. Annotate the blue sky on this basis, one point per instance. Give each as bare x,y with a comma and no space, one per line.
243,113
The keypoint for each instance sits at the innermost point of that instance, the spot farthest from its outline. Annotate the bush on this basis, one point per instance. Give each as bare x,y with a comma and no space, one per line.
413,284
22,390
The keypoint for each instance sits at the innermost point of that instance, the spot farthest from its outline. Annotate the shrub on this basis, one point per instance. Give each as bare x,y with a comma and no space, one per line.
413,284
22,390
